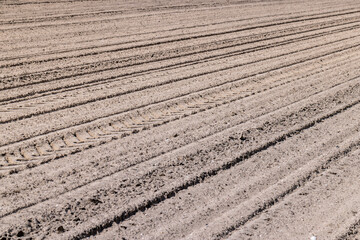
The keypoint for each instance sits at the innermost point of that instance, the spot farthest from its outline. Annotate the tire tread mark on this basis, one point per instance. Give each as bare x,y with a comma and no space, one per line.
25,116
204,59
70,143
169,193
187,38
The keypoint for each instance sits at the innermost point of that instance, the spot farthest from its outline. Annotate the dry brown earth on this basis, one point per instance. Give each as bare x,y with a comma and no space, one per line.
216,119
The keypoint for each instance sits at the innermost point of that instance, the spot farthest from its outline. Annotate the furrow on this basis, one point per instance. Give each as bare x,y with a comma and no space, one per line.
201,48
31,91
216,119
231,95
175,30
266,98
201,206
183,38
109,36
295,180
170,190
275,194
31,109
130,16
159,56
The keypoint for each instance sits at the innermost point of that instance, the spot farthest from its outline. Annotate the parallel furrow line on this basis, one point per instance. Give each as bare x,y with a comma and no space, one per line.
181,79
31,115
209,58
104,81
145,33
320,105
158,38
184,39
113,12
79,140
114,117
173,190
294,181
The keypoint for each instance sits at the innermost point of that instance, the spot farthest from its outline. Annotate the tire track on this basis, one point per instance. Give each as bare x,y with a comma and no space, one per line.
172,66
237,185
60,36
29,106
299,181
182,121
176,29
152,38
162,37
193,37
338,91
31,153
282,107
82,73
191,181
113,12
186,7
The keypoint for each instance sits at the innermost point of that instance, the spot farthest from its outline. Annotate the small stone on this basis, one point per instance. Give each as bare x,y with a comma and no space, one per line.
20,234
95,201
61,229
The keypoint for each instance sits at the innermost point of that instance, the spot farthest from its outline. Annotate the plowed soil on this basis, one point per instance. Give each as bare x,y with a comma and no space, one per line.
202,119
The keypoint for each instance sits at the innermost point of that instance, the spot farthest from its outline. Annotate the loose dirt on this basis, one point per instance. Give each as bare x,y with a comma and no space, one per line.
179,120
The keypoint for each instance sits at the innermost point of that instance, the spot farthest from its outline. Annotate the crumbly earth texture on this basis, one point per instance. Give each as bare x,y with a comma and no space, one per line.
201,119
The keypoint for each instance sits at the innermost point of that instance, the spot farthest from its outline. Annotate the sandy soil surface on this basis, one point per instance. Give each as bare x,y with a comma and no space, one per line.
202,119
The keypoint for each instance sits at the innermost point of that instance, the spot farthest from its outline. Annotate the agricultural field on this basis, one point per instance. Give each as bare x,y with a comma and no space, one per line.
201,119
